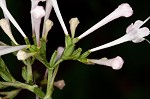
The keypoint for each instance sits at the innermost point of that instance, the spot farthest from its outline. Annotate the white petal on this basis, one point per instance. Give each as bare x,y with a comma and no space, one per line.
129,28
138,24
143,32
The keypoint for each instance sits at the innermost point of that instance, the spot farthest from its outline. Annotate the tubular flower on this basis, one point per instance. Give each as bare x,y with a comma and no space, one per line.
116,63
57,11
9,49
34,3
38,12
123,10
133,33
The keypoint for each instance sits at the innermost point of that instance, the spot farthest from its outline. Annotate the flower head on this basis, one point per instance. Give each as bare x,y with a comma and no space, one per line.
116,63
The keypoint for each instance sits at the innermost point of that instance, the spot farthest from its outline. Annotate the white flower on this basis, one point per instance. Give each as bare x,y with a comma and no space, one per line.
134,33
116,63
123,10
34,3
73,25
135,29
10,17
9,49
37,13
22,55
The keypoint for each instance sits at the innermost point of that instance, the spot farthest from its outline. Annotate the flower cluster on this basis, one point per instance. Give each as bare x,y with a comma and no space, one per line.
29,52
134,32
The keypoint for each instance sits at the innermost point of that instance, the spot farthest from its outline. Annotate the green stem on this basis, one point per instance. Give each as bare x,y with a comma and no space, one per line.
29,71
49,84
57,63
32,88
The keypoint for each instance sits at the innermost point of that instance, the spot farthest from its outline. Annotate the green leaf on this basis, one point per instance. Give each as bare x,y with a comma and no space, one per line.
2,63
53,58
5,75
24,73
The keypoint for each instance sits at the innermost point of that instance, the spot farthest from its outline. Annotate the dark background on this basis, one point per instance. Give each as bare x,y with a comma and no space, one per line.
85,81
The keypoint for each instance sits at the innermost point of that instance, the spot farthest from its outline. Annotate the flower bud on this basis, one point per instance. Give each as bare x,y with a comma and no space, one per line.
73,25
60,84
116,63
22,55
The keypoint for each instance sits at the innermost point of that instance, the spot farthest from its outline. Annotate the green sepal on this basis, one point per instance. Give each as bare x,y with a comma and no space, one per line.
68,41
27,41
24,73
85,54
34,39
83,60
68,51
4,71
53,58
75,40
33,48
75,55
43,47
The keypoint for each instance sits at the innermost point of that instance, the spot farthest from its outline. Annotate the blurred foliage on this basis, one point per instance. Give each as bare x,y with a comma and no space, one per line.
85,81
